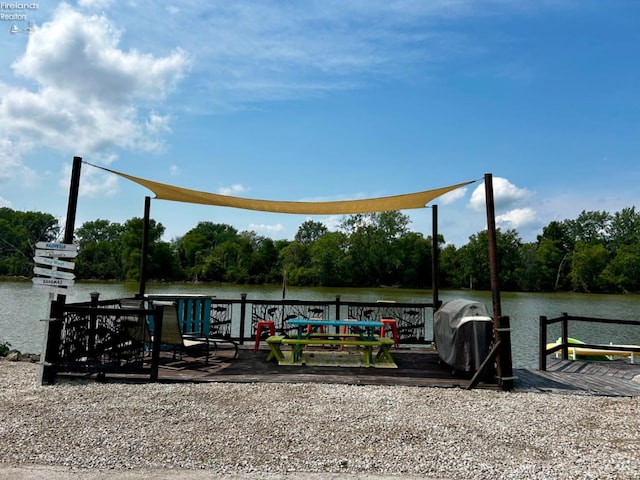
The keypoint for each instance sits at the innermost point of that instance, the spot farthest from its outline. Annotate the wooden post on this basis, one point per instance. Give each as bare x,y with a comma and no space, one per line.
157,341
503,361
504,358
93,324
542,347
485,369
243,312
564,333
54,325
144,248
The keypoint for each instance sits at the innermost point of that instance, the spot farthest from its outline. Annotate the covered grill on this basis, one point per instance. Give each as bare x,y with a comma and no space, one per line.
463,332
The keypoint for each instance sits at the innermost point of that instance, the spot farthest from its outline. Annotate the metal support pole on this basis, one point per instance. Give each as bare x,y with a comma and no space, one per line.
144,248
51,353
503,360
493,248
435,261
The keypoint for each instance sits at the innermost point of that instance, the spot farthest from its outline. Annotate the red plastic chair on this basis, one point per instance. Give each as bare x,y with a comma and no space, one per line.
390,322
270,324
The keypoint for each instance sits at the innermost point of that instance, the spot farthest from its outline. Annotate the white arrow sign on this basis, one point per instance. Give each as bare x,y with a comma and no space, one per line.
56,254
58,290
71,247
54,262
52,282
53,273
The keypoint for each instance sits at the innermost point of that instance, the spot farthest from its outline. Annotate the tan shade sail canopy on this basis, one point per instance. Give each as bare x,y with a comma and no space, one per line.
371,205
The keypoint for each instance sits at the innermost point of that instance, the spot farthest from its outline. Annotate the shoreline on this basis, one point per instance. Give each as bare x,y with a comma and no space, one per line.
14,355
271,430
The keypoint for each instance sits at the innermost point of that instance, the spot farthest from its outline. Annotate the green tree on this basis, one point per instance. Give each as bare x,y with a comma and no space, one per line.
414,253
297,260
328,260
451,271
474,259
309,232
625,228
528,276
100,250
590,227
373,251
265,265
130,248
19,233
587,264
623,272
98,231
196,246
553,267
553,255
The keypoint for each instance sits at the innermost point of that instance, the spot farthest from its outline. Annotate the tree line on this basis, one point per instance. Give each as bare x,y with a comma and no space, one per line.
596,252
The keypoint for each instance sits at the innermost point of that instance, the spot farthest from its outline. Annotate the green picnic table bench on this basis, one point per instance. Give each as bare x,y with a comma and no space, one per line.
338,339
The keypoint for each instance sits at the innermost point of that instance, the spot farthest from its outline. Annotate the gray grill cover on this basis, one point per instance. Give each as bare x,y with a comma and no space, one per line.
463,332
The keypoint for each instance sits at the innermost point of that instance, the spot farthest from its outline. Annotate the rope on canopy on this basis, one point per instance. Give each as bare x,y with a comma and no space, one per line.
164,191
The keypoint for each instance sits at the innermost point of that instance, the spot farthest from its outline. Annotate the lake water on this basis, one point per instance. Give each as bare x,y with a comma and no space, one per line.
22,307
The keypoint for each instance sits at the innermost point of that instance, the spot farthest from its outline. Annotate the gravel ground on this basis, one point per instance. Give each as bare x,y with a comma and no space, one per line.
308,431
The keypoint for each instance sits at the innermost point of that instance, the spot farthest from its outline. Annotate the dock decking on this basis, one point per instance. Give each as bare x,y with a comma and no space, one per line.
416,367
615,378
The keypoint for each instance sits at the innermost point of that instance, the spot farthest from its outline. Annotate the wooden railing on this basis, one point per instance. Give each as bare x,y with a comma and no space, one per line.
564,346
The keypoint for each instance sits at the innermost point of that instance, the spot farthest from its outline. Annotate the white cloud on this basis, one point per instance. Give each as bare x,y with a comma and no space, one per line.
517,218
5,203
174,170
89,96
11,168
505,195
263,227
94,4
512,206
95,182
452,196
332,222
79,53
232,190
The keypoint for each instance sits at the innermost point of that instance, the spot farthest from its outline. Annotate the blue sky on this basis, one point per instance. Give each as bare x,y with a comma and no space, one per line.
323,100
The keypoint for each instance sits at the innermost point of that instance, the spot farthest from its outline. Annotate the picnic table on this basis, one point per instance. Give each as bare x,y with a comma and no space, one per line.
361,334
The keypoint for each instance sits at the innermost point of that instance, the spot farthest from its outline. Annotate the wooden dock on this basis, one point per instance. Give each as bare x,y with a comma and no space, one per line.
616,378
416,367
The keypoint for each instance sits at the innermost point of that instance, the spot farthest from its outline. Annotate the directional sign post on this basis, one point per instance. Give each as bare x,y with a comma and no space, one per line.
53,273
60,247
54,285
55,277
54,262
56,254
